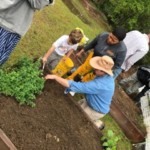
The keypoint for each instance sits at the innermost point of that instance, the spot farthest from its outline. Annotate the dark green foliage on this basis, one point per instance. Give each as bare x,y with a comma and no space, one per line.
131,14
22,81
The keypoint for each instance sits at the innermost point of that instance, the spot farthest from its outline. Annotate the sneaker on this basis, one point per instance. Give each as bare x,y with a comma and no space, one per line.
72,93
99,124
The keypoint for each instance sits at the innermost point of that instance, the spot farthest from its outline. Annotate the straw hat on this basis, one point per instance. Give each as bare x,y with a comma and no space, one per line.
104,63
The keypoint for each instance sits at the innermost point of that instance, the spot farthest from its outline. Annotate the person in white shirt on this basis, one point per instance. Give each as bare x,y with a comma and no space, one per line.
65,45
137,44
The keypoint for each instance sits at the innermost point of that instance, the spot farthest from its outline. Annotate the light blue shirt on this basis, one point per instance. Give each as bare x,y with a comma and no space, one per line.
98,92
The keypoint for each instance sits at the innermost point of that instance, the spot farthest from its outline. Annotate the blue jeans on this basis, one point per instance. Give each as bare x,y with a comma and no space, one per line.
116,72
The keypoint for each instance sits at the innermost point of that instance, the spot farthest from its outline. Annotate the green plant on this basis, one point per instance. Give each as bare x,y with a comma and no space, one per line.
22,81
109,141
128,13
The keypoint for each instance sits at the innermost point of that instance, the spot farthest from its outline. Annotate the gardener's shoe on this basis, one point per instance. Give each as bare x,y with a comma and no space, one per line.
71,93
99,124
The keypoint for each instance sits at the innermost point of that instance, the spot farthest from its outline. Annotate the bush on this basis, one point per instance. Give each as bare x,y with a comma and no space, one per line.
22,81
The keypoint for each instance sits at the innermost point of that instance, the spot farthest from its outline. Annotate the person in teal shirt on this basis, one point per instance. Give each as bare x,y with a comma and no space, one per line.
98,92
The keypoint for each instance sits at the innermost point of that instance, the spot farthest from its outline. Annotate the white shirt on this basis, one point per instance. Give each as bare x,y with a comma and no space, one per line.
137,46
62,46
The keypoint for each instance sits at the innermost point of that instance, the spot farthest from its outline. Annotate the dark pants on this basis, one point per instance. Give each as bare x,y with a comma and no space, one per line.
8,42
142,93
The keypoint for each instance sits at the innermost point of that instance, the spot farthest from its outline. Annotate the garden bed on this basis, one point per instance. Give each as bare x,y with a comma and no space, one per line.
55,123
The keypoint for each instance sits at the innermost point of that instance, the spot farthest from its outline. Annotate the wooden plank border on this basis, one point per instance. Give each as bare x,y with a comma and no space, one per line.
6,141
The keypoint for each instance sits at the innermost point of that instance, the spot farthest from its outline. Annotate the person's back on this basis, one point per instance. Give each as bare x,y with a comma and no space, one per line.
137,45
102,93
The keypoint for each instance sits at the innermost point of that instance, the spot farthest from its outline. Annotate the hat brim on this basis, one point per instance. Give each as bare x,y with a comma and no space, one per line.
94,64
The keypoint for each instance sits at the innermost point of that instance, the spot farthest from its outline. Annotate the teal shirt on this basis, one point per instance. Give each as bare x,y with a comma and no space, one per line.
98,92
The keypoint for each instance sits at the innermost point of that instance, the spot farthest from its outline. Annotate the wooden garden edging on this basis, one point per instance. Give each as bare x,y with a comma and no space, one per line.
129,128
5,143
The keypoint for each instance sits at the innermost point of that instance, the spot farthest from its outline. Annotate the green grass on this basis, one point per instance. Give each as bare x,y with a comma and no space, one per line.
123,143
47,26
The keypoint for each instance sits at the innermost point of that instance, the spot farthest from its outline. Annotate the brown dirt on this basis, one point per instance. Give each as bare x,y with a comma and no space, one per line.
55,123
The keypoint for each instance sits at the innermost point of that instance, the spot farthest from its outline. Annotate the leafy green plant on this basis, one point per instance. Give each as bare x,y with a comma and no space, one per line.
128,13
109,141
22,81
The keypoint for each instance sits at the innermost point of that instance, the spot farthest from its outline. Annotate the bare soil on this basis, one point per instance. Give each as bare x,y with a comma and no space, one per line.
55,123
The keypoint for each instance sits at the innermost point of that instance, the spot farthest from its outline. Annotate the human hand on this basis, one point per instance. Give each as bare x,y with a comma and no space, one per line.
78,54
44,60
52,77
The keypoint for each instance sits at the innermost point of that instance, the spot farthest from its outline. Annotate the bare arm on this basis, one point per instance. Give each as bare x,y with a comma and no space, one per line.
62,81
69,53
49,52
80,53
89,46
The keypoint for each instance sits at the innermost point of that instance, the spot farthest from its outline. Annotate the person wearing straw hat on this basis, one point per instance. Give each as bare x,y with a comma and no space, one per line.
98,92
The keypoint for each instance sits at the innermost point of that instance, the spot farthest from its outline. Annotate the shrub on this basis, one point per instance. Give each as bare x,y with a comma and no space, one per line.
22,81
